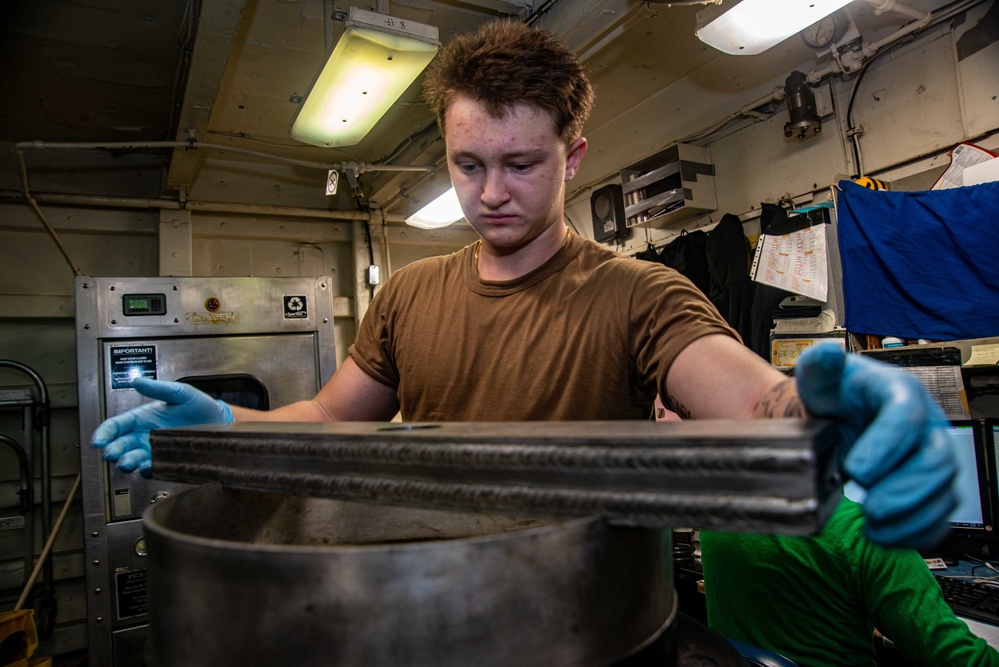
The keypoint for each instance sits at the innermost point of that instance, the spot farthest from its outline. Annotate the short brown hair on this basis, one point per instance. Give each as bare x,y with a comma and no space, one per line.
505,62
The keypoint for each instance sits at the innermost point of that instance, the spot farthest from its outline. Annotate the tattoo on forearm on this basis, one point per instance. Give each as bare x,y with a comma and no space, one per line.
677,407
783,401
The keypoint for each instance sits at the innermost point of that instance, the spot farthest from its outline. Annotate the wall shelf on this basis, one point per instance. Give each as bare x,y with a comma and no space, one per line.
671,185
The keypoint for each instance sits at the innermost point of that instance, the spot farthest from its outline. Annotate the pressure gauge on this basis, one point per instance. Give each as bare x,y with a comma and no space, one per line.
823,32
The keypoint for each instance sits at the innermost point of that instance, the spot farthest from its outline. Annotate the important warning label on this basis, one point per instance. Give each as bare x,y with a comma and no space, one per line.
129,362
132,598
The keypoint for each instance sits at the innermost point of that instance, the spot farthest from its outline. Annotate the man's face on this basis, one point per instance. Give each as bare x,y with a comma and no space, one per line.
510,172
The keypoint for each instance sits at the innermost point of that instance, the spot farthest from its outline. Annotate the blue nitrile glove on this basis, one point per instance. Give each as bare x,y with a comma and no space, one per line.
125,437
895,442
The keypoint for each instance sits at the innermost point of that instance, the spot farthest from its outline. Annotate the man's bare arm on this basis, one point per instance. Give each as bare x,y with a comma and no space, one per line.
782,400
718,377
350,395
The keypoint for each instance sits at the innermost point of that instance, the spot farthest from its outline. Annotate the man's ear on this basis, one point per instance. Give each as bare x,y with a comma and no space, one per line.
577,150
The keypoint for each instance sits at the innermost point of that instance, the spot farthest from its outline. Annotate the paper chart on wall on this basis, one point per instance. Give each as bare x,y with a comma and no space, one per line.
796,262
965,155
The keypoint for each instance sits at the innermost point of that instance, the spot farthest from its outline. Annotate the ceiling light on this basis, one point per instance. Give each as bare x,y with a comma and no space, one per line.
373,63
753,26
441,212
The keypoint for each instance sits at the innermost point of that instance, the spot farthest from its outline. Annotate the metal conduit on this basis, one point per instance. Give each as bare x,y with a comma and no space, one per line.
356,167
212,207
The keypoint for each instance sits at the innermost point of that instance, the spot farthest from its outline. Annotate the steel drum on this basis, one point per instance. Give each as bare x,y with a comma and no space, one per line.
248,578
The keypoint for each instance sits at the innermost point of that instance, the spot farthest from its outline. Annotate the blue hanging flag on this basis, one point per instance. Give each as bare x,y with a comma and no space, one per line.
920,264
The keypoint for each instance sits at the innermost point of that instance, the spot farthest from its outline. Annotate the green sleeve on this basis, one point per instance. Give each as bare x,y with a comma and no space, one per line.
905,603
817,599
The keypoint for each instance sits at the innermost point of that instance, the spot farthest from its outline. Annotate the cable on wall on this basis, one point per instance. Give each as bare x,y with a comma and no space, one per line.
41,216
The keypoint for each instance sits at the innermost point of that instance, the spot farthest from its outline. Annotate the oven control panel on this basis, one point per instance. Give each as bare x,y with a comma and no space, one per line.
143,304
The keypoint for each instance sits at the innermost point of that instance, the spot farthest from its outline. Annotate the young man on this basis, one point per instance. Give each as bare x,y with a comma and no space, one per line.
534,323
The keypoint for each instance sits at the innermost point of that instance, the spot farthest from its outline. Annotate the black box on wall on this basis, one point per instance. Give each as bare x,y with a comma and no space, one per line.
607,209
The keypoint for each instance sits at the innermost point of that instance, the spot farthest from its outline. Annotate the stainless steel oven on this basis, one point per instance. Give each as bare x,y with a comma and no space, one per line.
254,342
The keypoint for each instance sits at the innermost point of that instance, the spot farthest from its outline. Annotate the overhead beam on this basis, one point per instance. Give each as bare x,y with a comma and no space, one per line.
216,33
512,7
585,25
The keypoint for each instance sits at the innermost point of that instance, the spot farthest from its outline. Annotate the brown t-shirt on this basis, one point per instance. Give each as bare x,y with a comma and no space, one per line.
590,335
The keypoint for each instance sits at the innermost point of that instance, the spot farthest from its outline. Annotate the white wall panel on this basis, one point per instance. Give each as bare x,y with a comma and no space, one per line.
274,184
235,246
981,97
114,242
907,104
759,165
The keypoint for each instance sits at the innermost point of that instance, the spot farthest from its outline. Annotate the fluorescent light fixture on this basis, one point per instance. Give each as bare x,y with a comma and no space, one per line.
753,26
441,212
373,63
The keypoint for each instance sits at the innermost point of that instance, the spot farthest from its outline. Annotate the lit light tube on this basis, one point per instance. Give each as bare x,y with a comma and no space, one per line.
753,26
441,212
373,63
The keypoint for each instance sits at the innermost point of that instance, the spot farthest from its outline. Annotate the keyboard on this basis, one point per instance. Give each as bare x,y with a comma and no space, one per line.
977,601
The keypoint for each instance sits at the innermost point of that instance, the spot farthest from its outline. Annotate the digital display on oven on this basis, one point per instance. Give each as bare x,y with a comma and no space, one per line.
143,304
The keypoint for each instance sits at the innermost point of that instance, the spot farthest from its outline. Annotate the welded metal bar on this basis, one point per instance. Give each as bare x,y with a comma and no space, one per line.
774,476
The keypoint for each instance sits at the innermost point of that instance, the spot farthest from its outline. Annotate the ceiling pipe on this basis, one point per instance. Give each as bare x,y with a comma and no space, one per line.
94,200
884,6
99,201
921,21
355,167
284,211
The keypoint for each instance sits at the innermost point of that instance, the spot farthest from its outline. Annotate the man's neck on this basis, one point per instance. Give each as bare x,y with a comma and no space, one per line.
499,264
